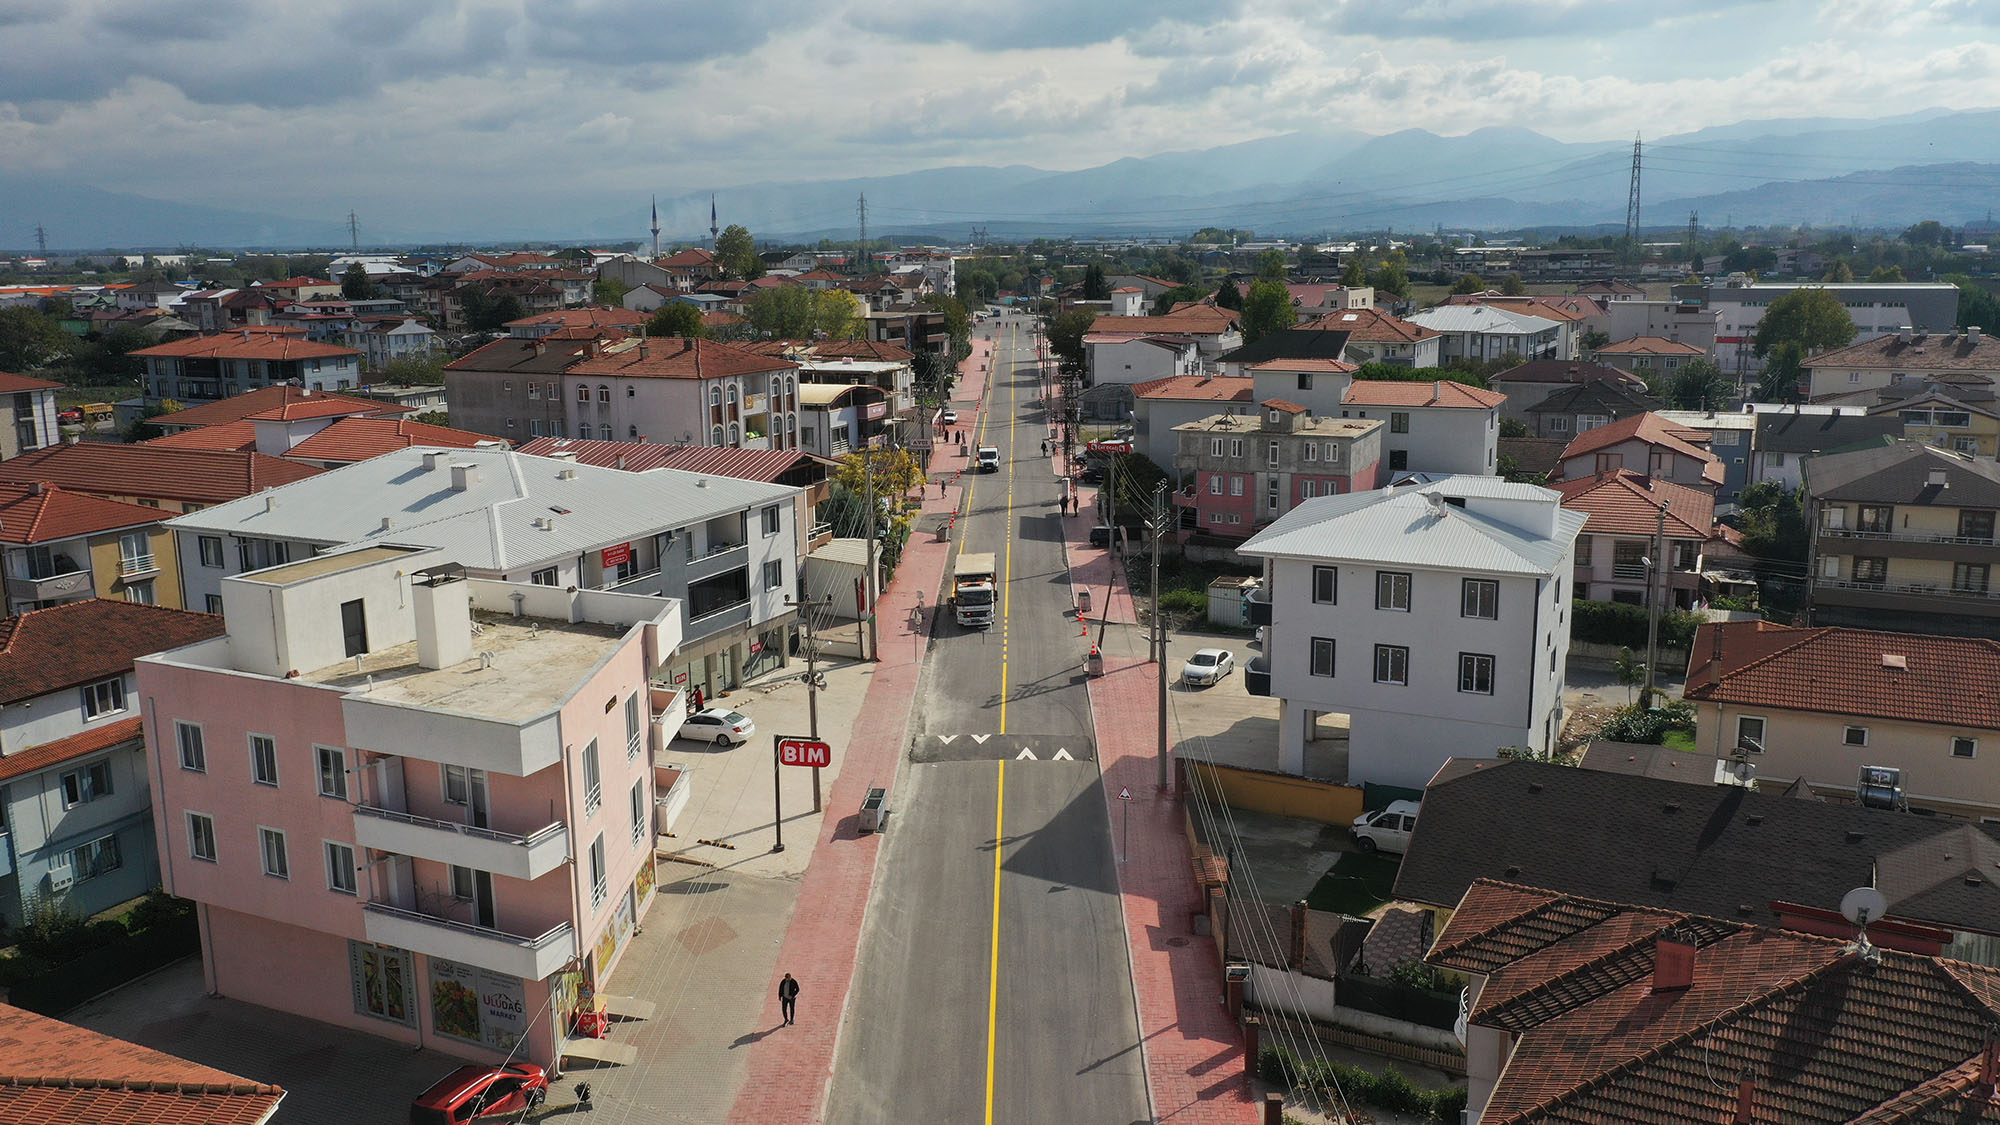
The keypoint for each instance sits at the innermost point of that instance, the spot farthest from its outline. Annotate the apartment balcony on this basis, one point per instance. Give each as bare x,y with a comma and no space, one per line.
716,619
1907,597
669,713
1258,603
71,584
718,558
1257,676
138,566
503,853
1908,544
530,958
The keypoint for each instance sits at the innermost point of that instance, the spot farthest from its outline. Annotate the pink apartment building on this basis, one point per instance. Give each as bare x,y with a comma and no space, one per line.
1245,471
411,803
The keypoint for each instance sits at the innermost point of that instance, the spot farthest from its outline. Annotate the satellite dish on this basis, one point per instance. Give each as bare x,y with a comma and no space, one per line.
1863,905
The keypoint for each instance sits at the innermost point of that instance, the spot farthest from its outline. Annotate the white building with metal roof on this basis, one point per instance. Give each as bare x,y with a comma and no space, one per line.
1434,617
727,548
1485,332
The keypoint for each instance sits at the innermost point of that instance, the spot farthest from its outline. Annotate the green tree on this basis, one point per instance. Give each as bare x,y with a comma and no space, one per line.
1513,286
1227,296
1814,319
675,318
1165,302
1594,338
1927,233
1840,272
1775,533
1268,309
836,314
1392,276
1271,265
1698,385
1469,283
1886,273
433,418
957,321
1355,275
785,312
735,250
1096,287
1783,369
1066,334
1514,428
1976,303
425,370
29,339
608,292
356,285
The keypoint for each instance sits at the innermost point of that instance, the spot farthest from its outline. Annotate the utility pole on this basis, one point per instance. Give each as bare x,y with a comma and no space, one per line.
813,682
1632,201
353,232
1656,592
861,247
1111,542
1159,530
868,488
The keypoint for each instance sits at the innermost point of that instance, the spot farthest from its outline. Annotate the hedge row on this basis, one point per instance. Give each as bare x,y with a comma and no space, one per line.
1616,623
105,967
1386,1089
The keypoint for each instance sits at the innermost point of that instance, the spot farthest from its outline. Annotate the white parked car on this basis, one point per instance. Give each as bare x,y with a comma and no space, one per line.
949,417
1208,666
719,725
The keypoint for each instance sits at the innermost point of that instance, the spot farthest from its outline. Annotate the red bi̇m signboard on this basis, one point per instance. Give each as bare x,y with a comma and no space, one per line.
804,752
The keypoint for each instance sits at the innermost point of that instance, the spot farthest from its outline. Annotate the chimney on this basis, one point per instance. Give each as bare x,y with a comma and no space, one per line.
433,458
1972,334
1903,334
1746,1098
1989,1062
246,333
444,622
1936,479
464,477
645,349
539,346
72,439
621,461
1673,961
36,488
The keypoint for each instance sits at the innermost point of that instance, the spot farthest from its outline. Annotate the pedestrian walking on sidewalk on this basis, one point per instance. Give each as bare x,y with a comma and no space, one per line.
788,997
1045,448
940,490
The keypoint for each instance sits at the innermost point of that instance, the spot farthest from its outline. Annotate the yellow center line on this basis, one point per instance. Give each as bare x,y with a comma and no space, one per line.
993,977
1007,565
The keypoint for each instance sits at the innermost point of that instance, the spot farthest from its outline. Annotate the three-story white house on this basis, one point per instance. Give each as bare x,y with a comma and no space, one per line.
1436,618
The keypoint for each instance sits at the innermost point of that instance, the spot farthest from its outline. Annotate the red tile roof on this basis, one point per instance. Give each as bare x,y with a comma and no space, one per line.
1191,319
694,256
582,318
10,382
358,439
879,351
30,516
1649,428
1371,326
677,357
1443,392
1287,407
1937,679
155,471
252,345
297,283
1628,503
1650,345
1306,363
1197,388
640,456
51,1072
102,737
287,401
82,642
238,437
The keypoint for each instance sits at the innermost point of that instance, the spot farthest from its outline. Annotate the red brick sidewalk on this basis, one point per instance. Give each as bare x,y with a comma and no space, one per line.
1193,1050
786,1078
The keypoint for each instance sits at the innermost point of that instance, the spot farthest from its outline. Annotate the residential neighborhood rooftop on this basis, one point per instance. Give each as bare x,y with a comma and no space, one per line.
81,642
283,402
1197,388
157,468
1918,678
1421,527
1622,502
37,512
51,1071
1440,393
1969,350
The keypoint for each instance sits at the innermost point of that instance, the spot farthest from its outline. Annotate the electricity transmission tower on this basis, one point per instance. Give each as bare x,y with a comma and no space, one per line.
353,231
861,247
42,241
1632,201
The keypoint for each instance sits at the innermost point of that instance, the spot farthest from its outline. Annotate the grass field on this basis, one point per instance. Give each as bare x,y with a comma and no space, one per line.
1356,885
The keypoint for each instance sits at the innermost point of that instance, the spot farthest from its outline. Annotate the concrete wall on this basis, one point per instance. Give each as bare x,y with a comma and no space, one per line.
1282,794
1439,439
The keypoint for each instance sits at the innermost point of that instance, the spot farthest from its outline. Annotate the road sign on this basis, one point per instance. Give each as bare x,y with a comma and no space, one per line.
1124,794
919,443
804,752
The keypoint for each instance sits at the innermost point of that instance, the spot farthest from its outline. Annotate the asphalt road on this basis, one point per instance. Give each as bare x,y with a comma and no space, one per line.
1000,843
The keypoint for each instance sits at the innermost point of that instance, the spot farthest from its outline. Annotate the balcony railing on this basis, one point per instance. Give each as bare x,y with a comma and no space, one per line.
1257,676
1908,536
69,584
1626,572
1919,589
137,564
530,958
486,849
1258,605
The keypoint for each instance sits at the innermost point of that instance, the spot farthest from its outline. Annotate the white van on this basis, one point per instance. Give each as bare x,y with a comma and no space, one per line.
989,459
1386,829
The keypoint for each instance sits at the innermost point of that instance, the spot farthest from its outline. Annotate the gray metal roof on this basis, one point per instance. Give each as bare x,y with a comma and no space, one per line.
1478,318
1400,527
491,525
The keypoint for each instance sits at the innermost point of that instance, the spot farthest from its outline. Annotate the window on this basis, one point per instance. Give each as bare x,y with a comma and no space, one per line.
544,577
1833,518
99,857
1481,598
534,390
1236,447
1271,455
1591,421
1557,424
1970,578
1275,416
86,784
1399,422
1332,452
1392,590
1609,462
1322,656
593,782
582,393
139,593
263,759
1871,571
1475,673
213,602
771,520
552,393
332,771
1215,447
105,697
201,836
631,391
1877,518
635,730
597,883
1964,747
639,810
1271,494
1235,485
464,883
211,550
1215,484
193,755
1854,736
774,574
1326,585
1305,381
1399,459
507,386
1777,460
1974,523
353,627
1309,488
604,432
1392,664
271,843
340,871
1312,451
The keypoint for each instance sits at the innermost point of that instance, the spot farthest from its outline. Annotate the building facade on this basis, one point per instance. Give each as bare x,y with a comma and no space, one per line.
28,415
205,368
1243,473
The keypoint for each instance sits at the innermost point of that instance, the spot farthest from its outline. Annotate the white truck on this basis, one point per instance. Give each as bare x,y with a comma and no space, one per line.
973,591
1386,829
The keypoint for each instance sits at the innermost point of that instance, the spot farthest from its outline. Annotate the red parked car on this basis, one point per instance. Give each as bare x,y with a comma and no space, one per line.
479,1091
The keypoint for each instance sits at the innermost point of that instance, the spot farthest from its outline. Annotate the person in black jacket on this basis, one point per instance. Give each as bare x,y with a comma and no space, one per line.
788,997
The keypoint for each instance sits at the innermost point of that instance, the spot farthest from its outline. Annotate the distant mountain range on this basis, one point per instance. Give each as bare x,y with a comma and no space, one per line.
1937,164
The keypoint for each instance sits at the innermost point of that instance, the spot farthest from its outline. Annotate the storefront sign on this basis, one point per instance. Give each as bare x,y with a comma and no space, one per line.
477,1005
616,555
680,678
381,977
877,410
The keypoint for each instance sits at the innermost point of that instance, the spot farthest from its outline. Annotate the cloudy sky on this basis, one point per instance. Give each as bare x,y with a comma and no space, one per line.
428,105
